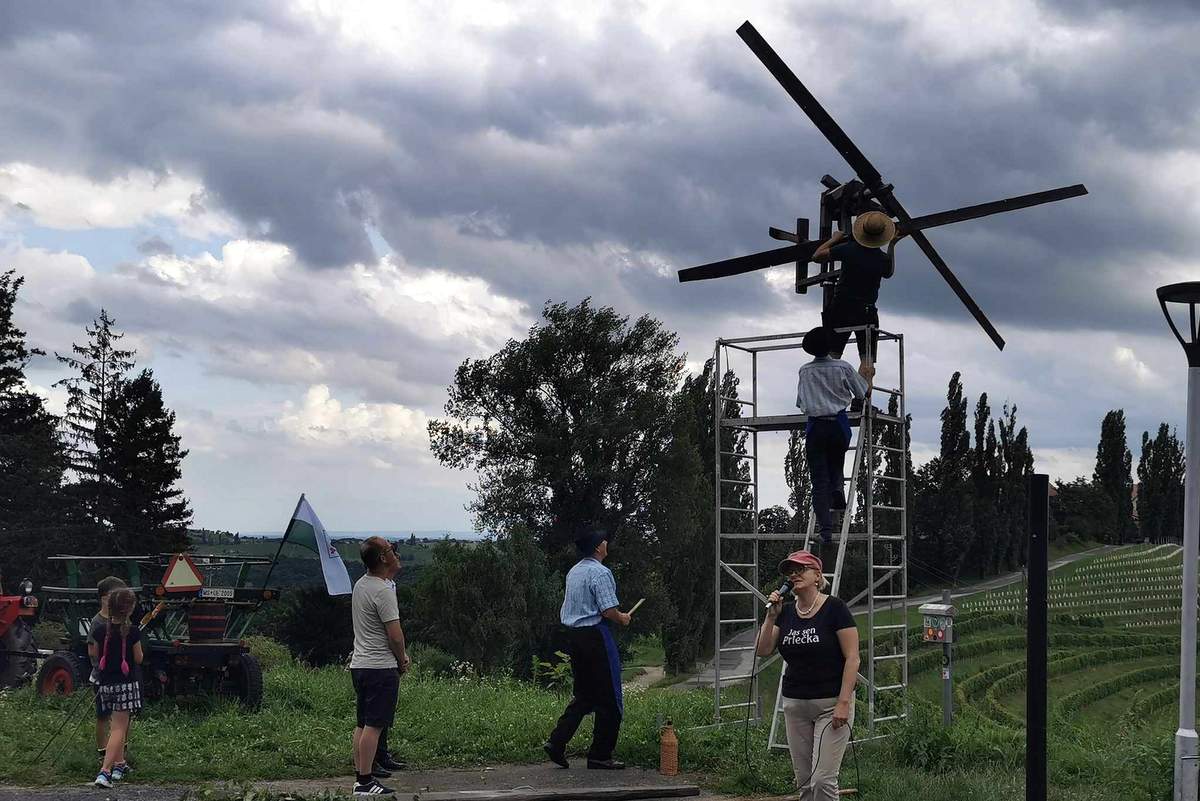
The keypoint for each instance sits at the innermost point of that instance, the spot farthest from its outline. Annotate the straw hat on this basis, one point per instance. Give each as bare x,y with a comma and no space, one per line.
874,229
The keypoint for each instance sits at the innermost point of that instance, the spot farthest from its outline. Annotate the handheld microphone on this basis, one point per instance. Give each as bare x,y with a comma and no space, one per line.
784,589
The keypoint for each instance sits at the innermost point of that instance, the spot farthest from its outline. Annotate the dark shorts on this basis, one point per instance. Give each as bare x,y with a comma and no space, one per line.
375,691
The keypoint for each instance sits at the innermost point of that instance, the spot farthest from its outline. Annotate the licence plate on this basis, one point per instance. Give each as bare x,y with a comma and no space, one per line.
216,592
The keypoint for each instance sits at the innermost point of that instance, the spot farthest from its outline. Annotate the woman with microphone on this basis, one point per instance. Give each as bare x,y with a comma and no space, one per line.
818,641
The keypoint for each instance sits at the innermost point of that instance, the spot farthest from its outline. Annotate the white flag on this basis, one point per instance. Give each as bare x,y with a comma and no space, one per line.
306,529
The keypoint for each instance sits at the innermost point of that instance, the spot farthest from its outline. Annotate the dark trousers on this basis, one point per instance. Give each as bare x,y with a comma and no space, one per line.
842,315
593,691
825,449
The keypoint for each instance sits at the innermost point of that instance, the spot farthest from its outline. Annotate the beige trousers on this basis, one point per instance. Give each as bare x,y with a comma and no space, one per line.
816,747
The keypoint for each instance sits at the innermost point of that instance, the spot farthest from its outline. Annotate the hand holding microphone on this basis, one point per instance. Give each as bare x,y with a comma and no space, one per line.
775,599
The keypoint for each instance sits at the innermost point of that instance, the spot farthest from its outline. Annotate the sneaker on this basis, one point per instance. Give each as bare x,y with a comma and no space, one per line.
368,788
606,764
103,779
380,772
388,761
120,771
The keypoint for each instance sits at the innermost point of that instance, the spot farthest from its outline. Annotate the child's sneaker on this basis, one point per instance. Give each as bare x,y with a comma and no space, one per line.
103,779
120,771
372,787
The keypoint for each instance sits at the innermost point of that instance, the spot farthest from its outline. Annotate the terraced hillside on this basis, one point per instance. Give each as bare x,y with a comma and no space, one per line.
1114,648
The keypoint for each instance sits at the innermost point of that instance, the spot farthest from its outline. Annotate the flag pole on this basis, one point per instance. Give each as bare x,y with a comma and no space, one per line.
283,540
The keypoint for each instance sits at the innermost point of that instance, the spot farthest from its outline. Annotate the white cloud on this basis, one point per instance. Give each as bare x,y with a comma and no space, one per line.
69,201
322,419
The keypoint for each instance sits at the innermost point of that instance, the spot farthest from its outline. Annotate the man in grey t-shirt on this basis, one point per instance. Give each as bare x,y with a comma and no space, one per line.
378,660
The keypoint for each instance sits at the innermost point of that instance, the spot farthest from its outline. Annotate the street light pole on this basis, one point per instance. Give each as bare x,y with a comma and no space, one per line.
1185,736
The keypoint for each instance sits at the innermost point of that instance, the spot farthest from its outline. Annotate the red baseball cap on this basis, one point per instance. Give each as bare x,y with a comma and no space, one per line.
801,558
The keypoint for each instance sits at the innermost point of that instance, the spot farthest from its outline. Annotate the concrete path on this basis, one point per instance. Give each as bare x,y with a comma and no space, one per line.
407,784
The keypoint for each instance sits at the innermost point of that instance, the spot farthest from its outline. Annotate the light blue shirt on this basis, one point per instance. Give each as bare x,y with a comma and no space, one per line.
590,590
826,386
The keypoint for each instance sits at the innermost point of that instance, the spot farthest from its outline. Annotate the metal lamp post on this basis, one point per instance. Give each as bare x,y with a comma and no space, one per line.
1181,295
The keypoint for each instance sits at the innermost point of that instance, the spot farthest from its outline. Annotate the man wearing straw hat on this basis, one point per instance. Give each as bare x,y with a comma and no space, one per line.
864,266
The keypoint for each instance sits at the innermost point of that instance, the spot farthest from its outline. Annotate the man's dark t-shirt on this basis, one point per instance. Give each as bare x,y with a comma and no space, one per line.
811,649
112,674
862,270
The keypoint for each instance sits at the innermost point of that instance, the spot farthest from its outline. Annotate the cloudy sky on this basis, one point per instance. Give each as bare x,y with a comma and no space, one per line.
306,215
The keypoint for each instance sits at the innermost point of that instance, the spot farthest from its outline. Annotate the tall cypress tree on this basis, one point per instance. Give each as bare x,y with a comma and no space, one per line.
1114,463
1160,486
955,497
1016,465
31,455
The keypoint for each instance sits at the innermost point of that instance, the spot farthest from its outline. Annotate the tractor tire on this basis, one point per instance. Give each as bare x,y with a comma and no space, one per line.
62,674
15,670
246,679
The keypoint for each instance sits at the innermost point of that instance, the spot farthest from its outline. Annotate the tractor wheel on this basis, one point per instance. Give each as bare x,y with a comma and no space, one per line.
15,670
247,681
61,674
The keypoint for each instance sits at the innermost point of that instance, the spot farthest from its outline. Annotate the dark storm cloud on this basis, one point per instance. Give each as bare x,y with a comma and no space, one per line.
527,172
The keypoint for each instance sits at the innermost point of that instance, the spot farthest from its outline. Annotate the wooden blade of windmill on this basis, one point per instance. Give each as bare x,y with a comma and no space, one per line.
995,207
750,263
804,98
948,276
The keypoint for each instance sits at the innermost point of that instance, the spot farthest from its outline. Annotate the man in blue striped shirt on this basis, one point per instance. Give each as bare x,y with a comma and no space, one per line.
589,608
824,390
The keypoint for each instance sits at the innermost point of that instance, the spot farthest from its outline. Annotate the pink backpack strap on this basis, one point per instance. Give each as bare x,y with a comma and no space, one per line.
124,661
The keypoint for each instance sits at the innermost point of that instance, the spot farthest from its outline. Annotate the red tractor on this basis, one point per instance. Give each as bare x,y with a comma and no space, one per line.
18,654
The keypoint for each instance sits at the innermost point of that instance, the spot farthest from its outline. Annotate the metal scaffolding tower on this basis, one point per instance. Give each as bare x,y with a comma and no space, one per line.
874,530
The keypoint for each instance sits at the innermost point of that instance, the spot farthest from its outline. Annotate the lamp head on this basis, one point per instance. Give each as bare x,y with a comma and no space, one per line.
1186,294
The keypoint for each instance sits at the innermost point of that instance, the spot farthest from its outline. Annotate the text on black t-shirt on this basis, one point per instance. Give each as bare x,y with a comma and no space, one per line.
812,651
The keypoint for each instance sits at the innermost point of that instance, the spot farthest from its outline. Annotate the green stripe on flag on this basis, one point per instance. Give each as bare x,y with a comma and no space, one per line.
301,533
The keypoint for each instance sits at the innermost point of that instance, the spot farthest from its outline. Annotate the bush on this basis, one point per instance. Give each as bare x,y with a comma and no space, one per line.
429,660
317,627
269,653
48,634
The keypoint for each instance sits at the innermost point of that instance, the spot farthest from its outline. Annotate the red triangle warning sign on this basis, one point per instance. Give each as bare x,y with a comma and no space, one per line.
182,575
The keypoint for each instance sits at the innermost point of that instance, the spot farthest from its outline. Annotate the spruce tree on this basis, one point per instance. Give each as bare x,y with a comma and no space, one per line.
100,366
31,456
1113,476
150,513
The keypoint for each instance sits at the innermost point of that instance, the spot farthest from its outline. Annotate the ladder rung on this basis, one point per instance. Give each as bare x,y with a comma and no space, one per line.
890,687
739,455
891,627
888,508
888,657
886,718
890,478
739,705
887,448
739,677
887,567
736,481
893,537
736,509
738,620
738,564
737,400
885,389
737,648
736,592
890,597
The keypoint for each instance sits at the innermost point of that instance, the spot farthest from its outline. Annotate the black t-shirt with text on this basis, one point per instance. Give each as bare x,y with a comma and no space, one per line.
862,271
112,673
811,649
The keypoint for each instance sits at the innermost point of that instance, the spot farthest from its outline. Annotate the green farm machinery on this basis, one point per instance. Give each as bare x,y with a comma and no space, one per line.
192,628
